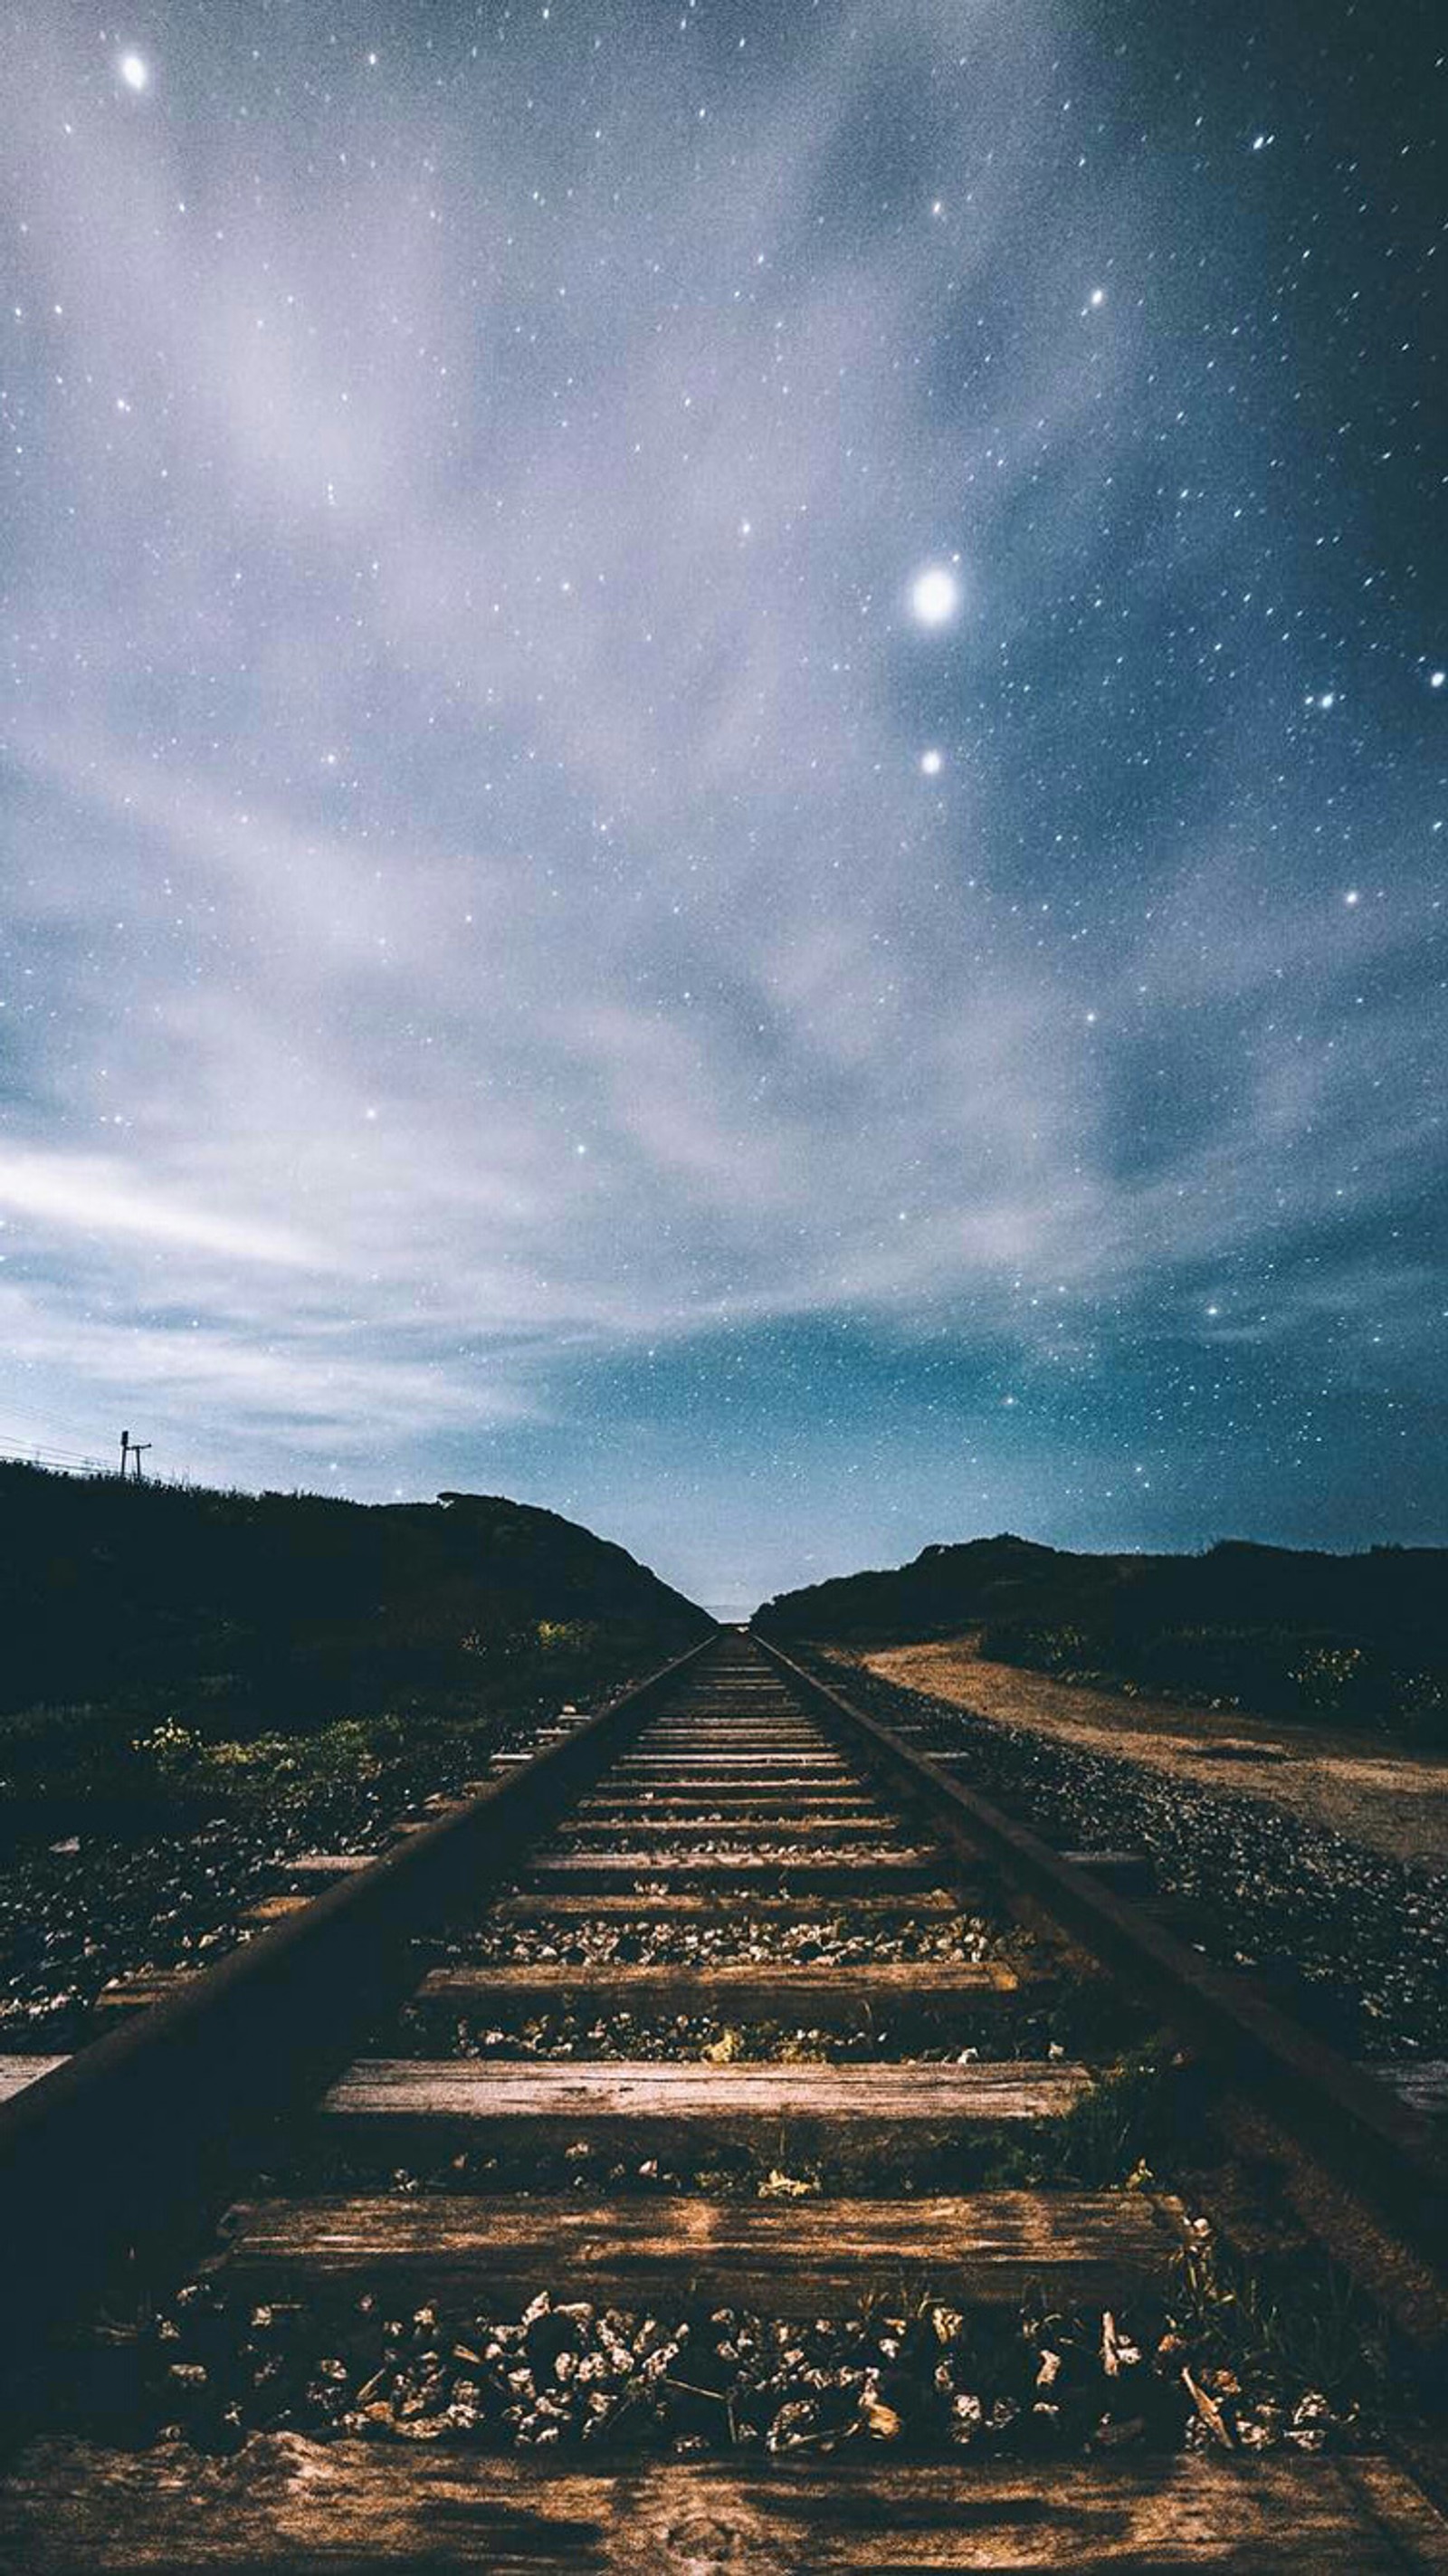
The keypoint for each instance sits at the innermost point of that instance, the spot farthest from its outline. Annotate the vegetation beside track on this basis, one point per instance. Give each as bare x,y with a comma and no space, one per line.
162,1642
1358,1641
160,1876
197,1684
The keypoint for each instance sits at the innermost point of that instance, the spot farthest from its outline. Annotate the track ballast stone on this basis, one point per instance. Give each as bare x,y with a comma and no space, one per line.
567,2374
1367,1938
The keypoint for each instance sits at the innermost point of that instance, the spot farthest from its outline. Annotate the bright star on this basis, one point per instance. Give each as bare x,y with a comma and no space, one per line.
1437,679
1352,896
135,71
935,595
931,762
1098,298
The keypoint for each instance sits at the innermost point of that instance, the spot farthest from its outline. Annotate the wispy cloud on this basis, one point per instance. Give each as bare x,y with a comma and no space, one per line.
57,1194
478,909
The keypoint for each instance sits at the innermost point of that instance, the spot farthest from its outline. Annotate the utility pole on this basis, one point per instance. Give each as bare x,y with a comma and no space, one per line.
132,1449
125,1444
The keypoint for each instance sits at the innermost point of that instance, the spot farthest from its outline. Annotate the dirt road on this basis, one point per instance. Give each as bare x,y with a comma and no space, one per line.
1394,1802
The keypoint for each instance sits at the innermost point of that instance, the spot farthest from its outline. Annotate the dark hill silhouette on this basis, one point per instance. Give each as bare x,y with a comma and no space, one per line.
296,1605
1362,1638
945,1588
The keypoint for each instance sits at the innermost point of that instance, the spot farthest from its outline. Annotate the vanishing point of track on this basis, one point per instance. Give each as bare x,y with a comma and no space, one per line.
731,1790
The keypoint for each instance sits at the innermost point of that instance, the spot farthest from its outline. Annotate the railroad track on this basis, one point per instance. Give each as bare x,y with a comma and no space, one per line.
734,1936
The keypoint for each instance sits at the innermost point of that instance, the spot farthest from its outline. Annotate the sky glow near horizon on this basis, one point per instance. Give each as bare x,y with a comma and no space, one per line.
722,791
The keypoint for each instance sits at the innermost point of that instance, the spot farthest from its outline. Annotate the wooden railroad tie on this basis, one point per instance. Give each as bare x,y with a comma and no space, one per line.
729,1796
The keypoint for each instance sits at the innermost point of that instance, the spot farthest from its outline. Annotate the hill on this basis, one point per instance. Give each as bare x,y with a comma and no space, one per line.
1363,1638
944,1588
289,1607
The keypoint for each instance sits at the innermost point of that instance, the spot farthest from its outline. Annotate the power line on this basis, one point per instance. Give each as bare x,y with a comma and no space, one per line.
13,1439
33,1456
37,1449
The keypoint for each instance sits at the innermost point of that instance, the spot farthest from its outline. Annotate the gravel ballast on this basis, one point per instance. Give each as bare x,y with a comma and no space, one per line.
566,2375
1367,1938
88,1909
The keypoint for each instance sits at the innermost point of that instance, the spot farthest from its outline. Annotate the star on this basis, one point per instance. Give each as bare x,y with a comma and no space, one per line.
935,595
448,385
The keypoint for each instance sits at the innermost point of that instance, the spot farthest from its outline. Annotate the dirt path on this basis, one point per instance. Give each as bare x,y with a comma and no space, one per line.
1392,1801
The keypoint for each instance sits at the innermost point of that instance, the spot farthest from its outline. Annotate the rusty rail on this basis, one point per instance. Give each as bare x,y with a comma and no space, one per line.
1353,2126
138,2134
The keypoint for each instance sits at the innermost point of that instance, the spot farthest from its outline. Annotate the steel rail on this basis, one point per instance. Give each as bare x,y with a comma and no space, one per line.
1353,2126
136,2135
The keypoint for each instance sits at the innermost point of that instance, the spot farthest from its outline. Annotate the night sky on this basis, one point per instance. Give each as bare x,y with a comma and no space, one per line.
722,791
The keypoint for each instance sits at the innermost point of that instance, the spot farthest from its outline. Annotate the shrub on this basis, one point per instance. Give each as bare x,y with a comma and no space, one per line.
567,1636
1421,1708
169,1746
1330,1680
1047,1650
1281,1671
